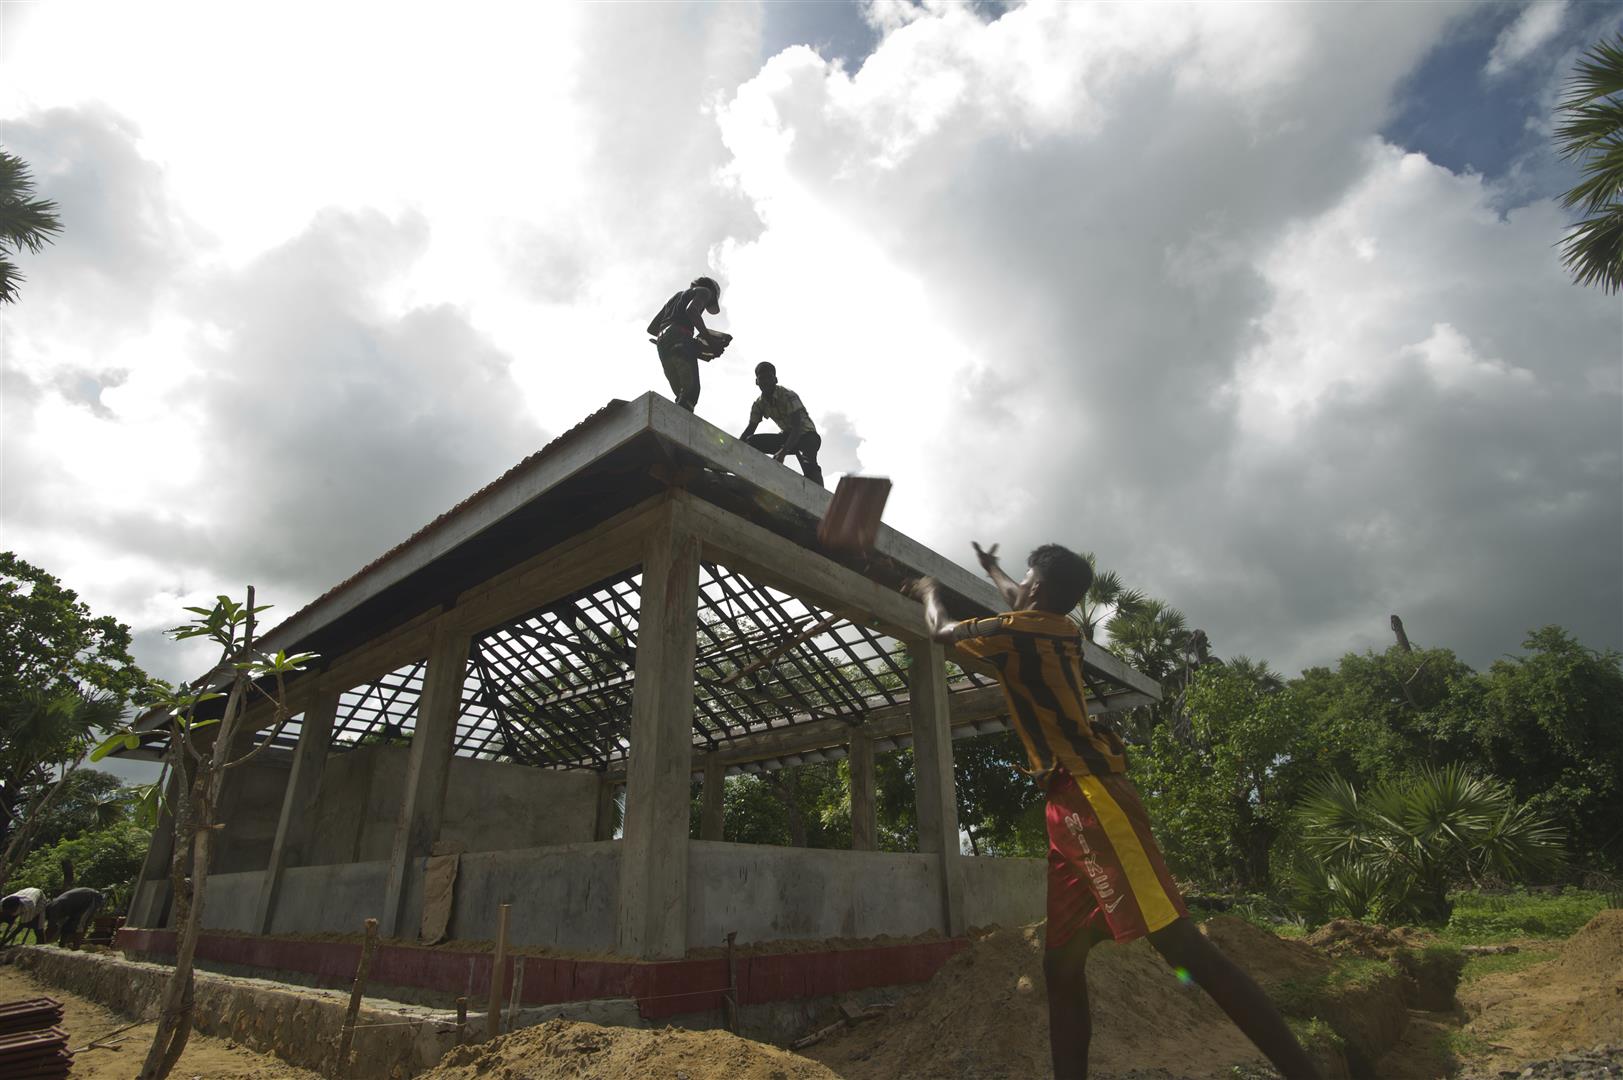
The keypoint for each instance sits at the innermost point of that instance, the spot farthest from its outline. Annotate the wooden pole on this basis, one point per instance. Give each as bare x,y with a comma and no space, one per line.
730,1001
518,993
347,1036
461,1020
498,964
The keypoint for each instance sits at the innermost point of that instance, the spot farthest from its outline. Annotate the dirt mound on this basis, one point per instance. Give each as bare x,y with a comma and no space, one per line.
985,1014
1571,1001
1349,937
1596,950
1268,959
561,1049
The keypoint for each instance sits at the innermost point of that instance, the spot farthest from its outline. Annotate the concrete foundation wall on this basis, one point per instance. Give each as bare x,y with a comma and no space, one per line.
489,806
1004,892
772,893
251,807
563,897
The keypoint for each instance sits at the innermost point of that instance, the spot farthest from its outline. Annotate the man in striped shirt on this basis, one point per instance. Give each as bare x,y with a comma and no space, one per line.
1106,876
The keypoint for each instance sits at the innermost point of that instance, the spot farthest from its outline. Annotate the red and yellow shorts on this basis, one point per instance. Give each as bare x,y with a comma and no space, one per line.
1104,871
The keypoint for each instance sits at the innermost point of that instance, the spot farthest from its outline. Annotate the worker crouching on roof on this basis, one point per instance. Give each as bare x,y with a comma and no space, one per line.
796,433
1106,876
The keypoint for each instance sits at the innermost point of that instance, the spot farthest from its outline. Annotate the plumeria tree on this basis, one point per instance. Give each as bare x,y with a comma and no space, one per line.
200,738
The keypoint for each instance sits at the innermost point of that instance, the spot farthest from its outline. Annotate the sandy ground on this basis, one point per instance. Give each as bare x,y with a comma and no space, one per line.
561,1049
205,1058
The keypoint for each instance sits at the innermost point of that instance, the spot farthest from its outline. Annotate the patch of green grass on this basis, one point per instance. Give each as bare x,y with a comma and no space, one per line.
1305,997
1463,1044
1488,917
1478,966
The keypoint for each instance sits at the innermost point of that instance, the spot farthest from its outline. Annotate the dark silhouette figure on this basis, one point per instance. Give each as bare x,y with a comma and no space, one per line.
679,333
796,433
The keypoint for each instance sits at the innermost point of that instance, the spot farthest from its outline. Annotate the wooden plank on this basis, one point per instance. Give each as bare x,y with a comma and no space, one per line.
652,920
297,822
936,794
428,767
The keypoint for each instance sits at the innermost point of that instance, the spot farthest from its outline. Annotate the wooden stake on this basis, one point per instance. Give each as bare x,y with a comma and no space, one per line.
498,963
518,993
461,1020
730,1001
347,1036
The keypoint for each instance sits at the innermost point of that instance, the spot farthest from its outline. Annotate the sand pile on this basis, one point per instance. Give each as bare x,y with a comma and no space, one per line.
985,1013
569,1048
1596,951
1575,1000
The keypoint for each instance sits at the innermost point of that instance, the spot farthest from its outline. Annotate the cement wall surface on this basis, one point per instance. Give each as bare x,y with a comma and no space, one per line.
563,896
330,899
489,806
773,893
497,806
229,900
1004,892
251,807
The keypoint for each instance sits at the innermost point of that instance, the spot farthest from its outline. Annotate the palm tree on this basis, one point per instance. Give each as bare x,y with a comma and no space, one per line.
1398,850
1152,636
1591,133
25,222
1108,594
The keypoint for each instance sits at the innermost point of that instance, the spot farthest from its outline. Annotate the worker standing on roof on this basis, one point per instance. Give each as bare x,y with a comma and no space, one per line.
796,433
1106,876
679,333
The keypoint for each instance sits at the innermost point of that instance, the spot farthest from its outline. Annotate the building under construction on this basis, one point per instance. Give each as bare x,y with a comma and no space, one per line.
623,613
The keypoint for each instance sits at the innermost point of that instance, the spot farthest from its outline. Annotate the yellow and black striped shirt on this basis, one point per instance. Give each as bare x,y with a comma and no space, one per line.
1038,657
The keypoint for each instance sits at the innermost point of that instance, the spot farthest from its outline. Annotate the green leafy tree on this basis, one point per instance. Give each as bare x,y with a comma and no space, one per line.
89,800
1222,797
1590,133
1397,851
999,809
107,859
1108,597
1550,724
26,223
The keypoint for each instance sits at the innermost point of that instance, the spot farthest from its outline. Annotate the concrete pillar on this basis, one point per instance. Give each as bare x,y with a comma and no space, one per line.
147,907
297,824
711,815
932,766
428,768
654,854
606,791
864,817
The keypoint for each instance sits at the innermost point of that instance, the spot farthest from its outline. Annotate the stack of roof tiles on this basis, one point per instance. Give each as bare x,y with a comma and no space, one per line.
33,1045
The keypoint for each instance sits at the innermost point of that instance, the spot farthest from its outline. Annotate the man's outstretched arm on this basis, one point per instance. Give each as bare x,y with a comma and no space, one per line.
927,590
994,570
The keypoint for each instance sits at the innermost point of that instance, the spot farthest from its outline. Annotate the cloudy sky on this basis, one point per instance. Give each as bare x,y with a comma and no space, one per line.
1260,303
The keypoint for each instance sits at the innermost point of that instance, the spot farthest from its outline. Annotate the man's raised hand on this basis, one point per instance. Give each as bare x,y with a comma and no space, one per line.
988,557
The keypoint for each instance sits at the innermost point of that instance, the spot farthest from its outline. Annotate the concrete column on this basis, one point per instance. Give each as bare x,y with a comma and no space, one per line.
298,821
711,815
932,766
427,769
654,854
606,791
864,818
148,904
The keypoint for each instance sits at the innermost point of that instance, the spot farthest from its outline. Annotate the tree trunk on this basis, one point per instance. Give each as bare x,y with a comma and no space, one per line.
175,1011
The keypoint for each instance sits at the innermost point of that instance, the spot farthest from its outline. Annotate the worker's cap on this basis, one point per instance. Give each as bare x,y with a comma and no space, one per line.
714,307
